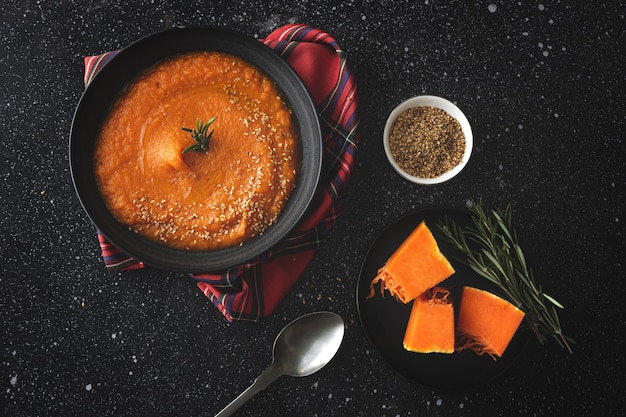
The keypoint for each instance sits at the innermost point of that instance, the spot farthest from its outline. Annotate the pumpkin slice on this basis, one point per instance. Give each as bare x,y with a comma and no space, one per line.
431,323
486,322
416,266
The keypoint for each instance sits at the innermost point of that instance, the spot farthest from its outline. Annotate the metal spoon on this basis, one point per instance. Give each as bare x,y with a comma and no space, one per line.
302,347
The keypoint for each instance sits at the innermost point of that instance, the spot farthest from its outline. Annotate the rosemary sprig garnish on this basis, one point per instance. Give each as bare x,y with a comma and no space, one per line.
492,250
200,135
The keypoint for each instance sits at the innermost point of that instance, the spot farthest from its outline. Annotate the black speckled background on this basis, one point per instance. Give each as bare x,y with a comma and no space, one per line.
542,84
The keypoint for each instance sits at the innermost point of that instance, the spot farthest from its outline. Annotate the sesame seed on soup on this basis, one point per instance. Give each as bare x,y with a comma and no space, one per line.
200,200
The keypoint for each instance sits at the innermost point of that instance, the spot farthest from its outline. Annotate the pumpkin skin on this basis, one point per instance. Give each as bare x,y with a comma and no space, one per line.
486,322
415,267
431,324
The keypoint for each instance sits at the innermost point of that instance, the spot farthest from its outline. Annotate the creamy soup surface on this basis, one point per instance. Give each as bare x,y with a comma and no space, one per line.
201,199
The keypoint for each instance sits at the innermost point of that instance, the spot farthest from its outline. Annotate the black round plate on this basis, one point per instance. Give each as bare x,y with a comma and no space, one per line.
120,71
384,319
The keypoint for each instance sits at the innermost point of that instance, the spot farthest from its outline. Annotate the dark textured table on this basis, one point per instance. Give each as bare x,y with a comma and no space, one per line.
542,84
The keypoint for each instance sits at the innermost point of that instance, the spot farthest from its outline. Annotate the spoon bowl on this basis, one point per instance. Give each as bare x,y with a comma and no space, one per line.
302,348
308,343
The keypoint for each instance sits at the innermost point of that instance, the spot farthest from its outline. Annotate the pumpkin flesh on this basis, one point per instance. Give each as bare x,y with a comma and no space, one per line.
431,324
486,322
416,266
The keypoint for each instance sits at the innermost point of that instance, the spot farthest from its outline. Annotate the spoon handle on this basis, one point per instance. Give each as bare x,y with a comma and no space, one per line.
267,377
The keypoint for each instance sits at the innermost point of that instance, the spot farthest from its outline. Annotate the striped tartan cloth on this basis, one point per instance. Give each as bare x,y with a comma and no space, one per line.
253,290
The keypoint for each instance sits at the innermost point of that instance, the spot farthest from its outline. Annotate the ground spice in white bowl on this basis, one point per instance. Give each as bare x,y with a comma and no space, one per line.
427,139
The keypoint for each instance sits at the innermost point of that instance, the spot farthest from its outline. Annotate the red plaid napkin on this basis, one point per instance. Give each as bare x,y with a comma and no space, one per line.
253,290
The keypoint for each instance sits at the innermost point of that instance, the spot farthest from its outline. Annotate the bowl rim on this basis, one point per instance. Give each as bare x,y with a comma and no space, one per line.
124,67
448,107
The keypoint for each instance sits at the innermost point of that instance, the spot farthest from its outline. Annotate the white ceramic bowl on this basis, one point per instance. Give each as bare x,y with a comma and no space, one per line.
452,110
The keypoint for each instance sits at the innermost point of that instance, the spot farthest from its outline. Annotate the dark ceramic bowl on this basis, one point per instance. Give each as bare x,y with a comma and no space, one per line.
98,98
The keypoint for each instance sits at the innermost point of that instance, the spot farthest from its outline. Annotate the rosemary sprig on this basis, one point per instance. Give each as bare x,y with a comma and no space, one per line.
200,135
492,250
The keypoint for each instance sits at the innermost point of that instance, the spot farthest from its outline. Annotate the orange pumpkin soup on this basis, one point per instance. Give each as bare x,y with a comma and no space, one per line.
198,200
